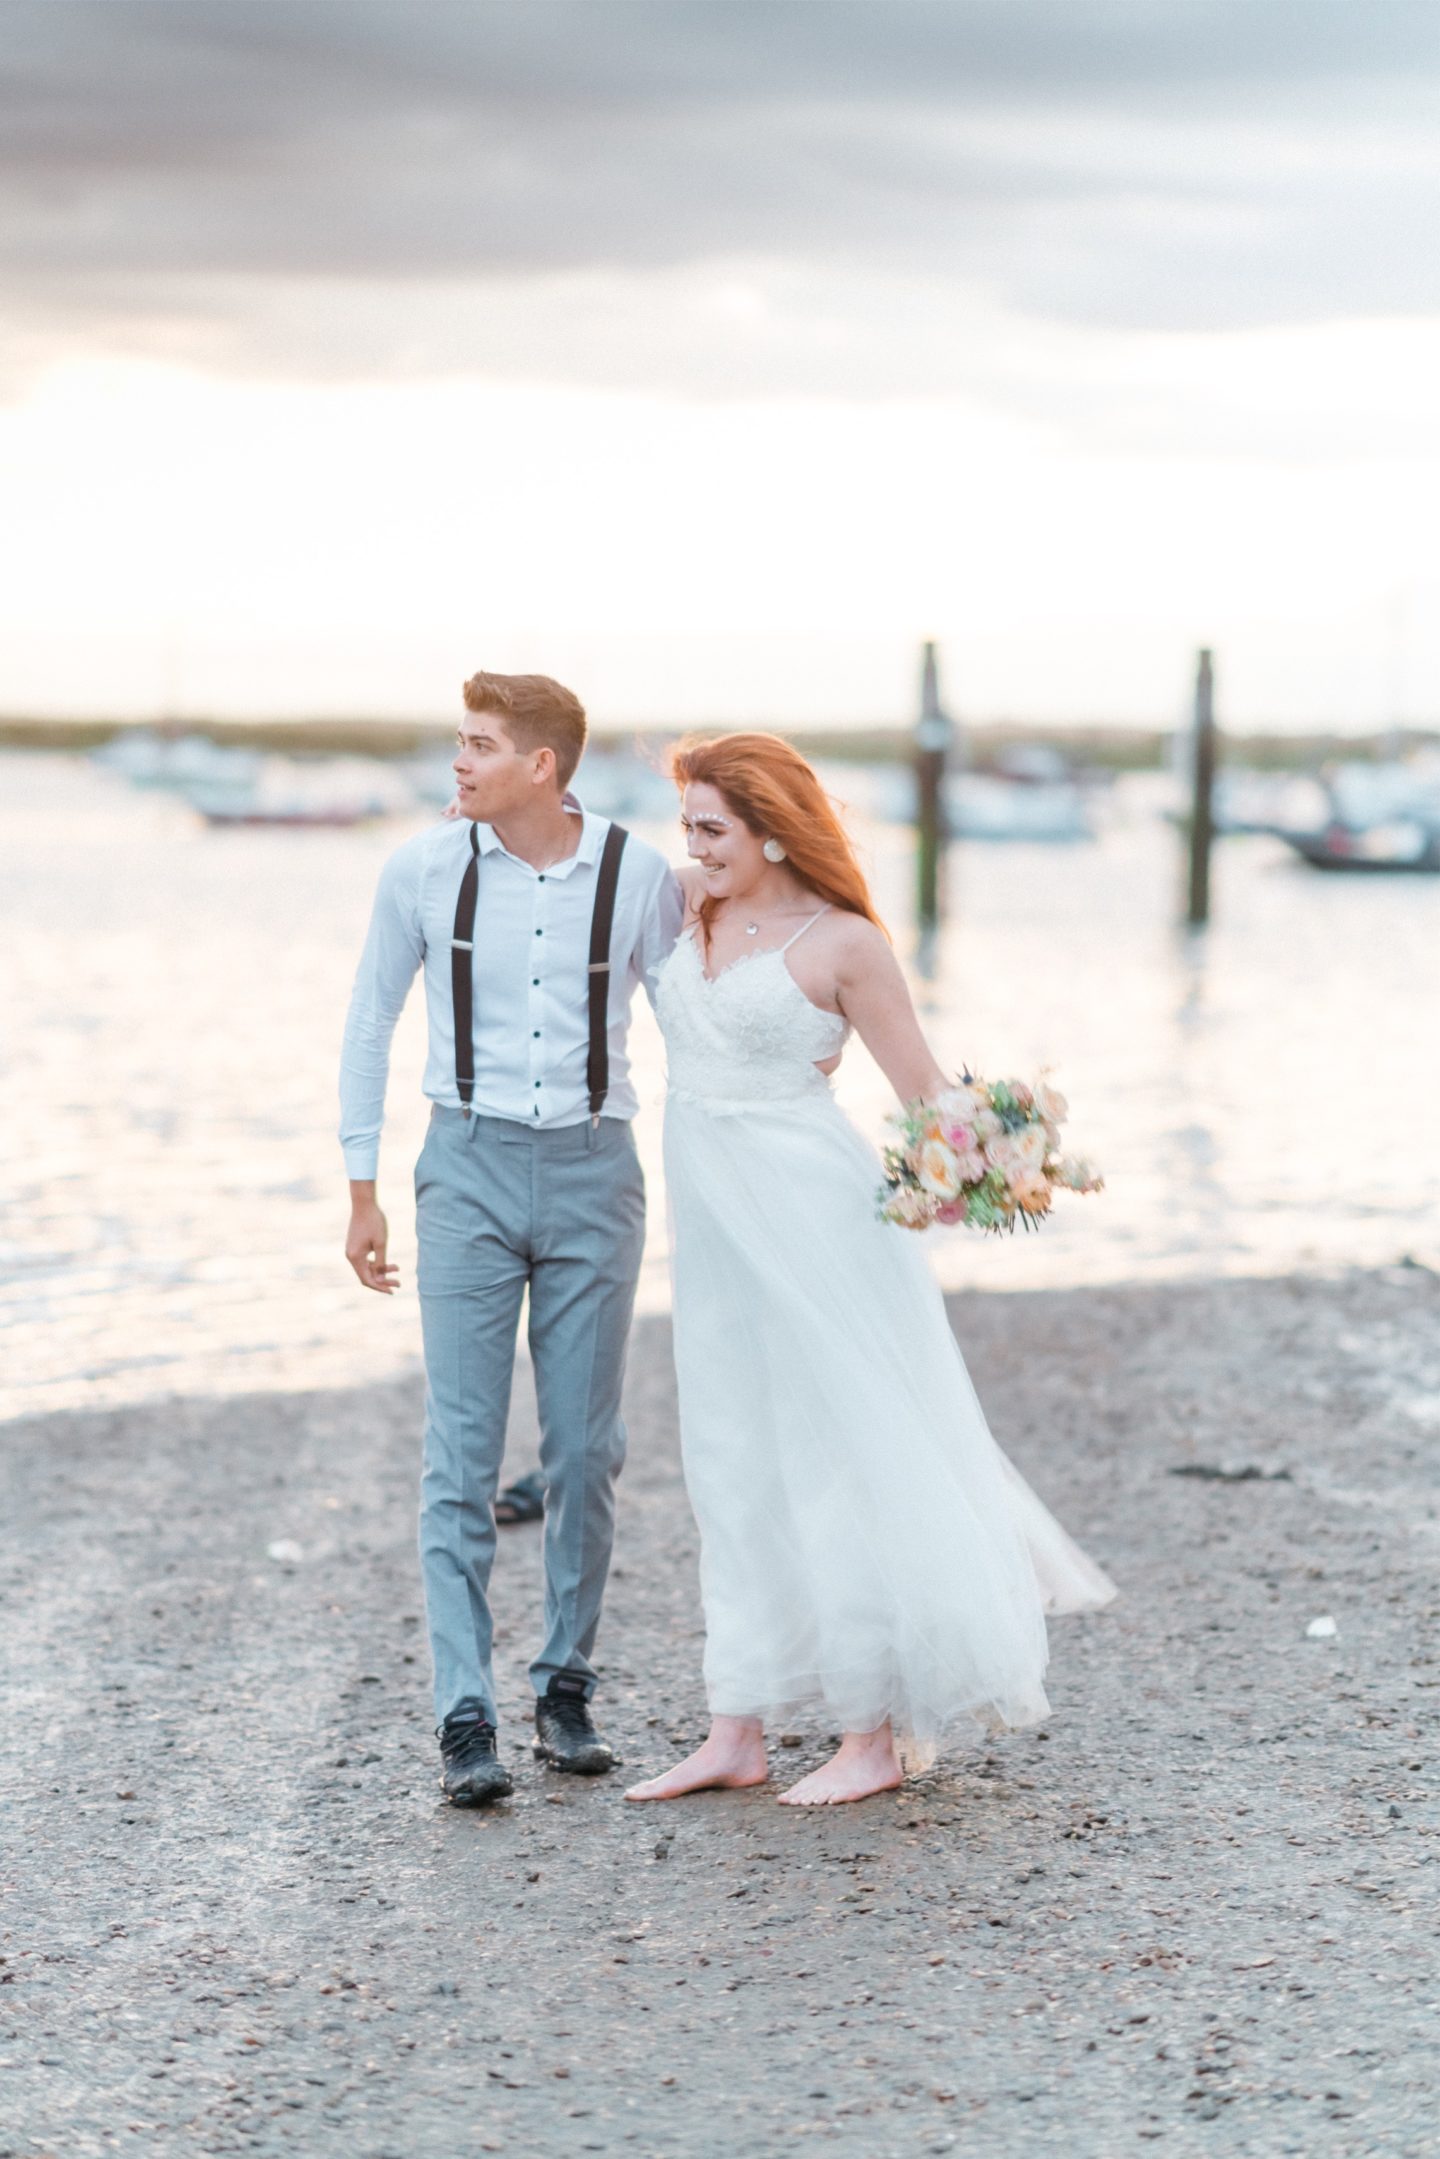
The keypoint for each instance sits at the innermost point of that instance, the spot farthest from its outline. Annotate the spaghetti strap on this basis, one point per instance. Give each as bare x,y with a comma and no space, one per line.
805,926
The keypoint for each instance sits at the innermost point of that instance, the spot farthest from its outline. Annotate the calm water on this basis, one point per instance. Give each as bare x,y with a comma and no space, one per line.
173,1201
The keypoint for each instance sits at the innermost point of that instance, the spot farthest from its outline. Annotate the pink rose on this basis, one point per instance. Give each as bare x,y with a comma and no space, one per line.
954,1210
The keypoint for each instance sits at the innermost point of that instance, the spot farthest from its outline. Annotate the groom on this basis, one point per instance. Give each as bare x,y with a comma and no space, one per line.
533,922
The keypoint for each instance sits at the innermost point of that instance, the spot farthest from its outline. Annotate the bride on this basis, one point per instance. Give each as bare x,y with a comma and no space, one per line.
867,1552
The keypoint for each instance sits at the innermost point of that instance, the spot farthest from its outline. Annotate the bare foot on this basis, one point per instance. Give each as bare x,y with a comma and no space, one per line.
732,1757
865,1764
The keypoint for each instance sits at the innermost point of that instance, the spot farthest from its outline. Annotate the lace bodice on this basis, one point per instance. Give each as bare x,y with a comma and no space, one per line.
750,1035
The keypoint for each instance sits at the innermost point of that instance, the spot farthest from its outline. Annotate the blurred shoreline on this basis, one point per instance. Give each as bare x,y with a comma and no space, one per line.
1110,748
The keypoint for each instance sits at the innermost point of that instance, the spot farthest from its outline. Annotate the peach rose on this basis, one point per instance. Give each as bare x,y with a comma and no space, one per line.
1032,1192
938,1170
910,1209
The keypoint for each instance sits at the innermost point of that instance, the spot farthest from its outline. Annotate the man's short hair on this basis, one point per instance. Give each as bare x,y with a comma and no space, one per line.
538,714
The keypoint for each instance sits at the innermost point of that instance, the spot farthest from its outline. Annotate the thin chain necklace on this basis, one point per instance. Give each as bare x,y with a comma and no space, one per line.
752,929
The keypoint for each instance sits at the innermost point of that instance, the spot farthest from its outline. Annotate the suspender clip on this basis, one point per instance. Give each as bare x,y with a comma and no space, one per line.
599,967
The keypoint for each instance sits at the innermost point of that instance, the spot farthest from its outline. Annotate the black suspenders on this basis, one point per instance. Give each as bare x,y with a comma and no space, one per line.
597,1064
462,974
462,957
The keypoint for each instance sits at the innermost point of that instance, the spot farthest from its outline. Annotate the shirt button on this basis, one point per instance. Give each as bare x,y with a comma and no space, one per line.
537,1083
537,1034
534,982
539,933
542,880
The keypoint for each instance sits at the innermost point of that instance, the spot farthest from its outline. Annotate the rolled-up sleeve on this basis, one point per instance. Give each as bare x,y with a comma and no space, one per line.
394,951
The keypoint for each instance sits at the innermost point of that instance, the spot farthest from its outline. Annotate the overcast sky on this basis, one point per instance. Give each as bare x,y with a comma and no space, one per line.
1024,266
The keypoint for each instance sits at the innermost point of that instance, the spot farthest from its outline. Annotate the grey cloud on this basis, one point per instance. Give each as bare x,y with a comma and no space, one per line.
1172,165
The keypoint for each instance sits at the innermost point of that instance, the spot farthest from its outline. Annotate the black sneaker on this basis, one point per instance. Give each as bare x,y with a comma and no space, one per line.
564,1734
473,1773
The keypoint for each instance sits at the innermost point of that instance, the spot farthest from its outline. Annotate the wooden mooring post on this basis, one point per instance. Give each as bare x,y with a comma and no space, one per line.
1202,793
933,734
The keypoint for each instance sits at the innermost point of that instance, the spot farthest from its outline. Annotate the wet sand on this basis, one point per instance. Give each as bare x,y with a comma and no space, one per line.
1194,1912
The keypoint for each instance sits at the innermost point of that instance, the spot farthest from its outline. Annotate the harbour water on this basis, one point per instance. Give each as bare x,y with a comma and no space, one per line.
171,999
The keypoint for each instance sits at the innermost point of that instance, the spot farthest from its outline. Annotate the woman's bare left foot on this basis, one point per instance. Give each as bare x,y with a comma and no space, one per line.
865,1764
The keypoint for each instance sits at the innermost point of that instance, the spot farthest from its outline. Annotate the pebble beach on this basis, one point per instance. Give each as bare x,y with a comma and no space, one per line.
1194,1911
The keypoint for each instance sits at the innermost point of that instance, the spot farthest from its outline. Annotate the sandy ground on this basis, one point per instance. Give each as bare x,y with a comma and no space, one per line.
1196,1911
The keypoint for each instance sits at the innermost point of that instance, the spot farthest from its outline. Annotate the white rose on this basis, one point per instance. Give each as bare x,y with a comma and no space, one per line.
1031,1146
1051,1104
1000,1152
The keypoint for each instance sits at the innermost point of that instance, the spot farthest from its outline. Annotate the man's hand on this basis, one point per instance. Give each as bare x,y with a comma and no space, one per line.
366,1241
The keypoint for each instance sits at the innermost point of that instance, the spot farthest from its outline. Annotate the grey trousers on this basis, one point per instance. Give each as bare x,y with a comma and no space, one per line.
501,1208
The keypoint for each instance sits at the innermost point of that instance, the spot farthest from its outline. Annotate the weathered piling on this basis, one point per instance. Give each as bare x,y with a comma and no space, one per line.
933,734
1202,802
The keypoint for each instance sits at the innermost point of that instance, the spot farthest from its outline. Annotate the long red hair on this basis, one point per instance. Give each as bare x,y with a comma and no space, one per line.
772,789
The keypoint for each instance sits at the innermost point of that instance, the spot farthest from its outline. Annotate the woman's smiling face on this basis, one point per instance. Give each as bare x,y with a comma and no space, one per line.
726,849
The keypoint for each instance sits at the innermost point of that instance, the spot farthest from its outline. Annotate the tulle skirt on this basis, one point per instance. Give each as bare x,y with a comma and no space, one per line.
866,1549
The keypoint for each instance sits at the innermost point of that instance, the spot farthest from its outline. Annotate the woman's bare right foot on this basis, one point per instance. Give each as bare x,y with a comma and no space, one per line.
867,1763
732,1758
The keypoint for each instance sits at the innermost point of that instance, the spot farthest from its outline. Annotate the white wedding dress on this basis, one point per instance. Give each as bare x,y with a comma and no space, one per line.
866,1549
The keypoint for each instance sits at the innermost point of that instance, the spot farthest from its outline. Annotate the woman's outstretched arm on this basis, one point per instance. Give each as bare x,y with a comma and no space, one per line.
872,993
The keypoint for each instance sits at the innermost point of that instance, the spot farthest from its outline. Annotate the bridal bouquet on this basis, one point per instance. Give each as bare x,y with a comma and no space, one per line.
986,1153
